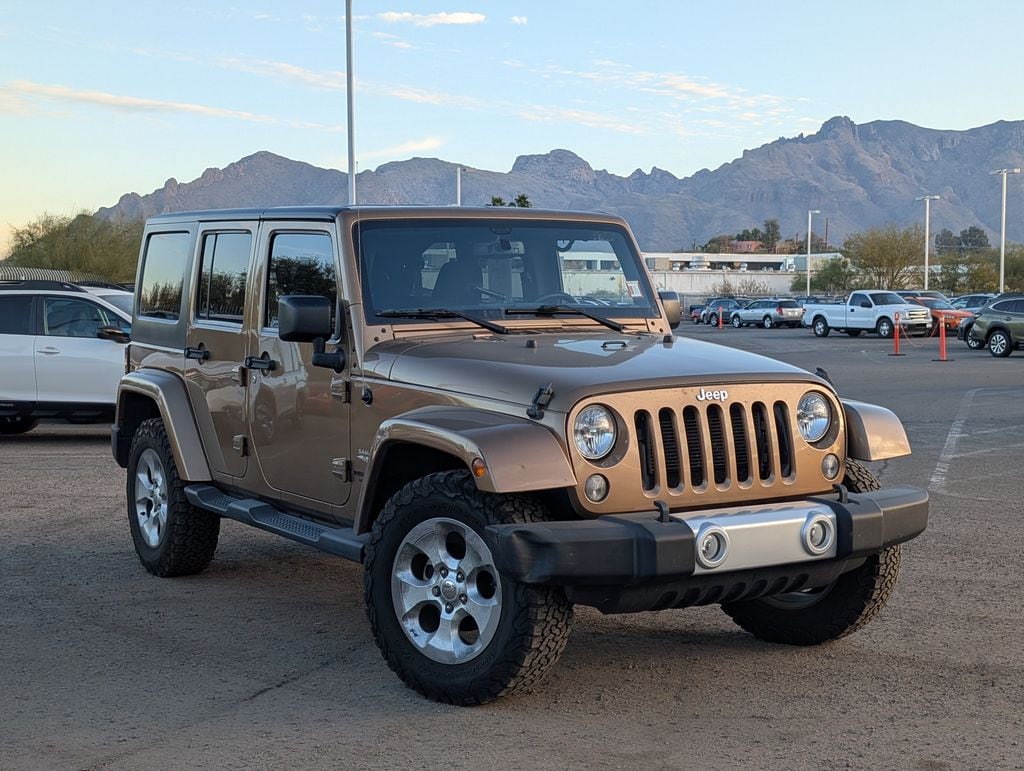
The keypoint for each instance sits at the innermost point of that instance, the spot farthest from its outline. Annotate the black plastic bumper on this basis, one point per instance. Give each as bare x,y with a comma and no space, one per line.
629,549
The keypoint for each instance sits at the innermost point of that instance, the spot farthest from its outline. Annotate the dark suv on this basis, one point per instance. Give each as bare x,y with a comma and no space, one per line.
1000,324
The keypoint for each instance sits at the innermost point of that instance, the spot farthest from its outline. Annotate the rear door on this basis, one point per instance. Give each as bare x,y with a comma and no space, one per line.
17,347
73,365
298,413
216,344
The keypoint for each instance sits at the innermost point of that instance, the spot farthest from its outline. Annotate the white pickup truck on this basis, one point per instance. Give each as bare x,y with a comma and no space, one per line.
868,310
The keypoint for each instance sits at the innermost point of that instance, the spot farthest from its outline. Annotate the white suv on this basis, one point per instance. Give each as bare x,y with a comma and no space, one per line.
61,352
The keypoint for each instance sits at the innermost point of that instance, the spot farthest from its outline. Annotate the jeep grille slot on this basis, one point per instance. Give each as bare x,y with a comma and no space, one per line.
670,448
739,442
645,444
719,451
694,448
785,439
762,442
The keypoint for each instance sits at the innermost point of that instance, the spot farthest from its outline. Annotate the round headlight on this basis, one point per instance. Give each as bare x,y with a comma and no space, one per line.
813,416
594,432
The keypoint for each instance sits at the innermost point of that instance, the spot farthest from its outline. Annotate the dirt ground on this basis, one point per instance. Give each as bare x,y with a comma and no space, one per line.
265,660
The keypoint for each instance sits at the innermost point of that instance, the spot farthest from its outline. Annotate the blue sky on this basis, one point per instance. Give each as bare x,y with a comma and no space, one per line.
107,97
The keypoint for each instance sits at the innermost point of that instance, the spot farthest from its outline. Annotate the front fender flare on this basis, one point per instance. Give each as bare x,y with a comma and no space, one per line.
520,455
873,432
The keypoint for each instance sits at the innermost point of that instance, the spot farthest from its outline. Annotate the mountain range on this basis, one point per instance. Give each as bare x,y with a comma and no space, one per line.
858,175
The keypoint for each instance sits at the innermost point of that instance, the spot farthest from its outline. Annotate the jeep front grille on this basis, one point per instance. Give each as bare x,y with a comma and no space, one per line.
715,445
694,452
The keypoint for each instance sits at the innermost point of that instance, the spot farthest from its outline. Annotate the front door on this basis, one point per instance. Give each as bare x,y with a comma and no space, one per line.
298,413
216,345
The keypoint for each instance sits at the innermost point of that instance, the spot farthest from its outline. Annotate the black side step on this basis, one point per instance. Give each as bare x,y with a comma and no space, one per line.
334,540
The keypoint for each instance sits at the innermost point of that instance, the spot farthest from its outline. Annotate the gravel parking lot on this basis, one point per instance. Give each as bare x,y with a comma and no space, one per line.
265,660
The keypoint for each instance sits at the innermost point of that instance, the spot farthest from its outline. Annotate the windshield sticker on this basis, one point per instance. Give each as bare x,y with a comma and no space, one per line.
633,287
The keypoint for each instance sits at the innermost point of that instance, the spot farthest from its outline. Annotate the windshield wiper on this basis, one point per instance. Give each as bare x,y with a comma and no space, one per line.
442,313
552,310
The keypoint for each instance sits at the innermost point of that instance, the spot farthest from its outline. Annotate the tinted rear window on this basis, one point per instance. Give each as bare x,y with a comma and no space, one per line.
16,315
163,274
788,304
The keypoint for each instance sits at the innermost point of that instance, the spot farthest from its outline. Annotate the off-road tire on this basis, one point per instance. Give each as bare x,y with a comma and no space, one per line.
999,344
16,424
767,322
840,609
884,328
189,539
820,327
535,620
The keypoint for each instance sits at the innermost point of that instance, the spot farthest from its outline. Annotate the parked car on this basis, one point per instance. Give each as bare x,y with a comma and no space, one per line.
723,305
61,354
963,332
908,293
695,311
942,312
1000,324
773,312
868,310
971,302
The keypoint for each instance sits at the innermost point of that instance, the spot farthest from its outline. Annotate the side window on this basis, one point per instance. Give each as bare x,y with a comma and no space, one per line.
67,317
16,315
1017,306
858,300
223,272
1002,307
163,273
300,263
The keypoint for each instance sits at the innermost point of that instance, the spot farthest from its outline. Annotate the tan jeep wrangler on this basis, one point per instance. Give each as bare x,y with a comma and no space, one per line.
487,408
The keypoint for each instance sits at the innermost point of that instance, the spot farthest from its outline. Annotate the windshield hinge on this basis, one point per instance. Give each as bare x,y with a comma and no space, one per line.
540,400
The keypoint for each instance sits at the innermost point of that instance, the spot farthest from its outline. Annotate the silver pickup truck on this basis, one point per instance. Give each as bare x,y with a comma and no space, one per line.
868,310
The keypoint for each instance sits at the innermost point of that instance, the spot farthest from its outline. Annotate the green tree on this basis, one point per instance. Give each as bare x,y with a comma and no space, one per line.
82,243
496,200
718,244
973,238
772,235
887,257
522,202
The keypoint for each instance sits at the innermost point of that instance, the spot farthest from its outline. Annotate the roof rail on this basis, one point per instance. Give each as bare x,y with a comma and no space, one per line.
36,283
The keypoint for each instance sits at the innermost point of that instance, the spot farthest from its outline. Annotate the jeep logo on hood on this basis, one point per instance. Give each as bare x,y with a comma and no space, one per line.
712,396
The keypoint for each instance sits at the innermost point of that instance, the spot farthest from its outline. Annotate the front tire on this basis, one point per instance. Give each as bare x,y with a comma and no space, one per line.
737,322
884,328
16,424
172,537
820,327
445,620
818,615
999,344
767,322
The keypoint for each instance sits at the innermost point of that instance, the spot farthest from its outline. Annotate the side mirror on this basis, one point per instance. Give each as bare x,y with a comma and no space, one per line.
115,334
673,308
307,319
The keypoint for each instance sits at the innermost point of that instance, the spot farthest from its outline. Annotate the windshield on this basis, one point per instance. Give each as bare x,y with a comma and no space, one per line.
939,305
488,267
887,298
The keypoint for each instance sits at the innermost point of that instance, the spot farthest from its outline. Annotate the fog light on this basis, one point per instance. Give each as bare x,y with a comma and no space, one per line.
830,466
819,533
712,546
596,488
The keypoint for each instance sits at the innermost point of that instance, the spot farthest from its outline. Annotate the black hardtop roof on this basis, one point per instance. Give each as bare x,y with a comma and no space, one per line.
328,213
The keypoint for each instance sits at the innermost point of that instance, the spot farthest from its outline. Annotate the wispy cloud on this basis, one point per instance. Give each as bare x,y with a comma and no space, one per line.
518,19
141,105
329,80
431,19
548,114
406,148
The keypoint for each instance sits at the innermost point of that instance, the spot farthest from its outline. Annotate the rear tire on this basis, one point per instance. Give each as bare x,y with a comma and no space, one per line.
433,531
999,344
713,320
974,344
820,327
816,616
16,424
172,537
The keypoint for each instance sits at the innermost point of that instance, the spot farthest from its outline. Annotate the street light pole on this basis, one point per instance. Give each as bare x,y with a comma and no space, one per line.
1002,234
351,116
809,213
927,212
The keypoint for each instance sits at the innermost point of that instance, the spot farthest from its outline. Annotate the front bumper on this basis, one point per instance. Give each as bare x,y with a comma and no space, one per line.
630,562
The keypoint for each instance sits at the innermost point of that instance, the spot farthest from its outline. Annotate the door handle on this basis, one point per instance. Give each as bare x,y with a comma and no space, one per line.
200,353
260,363
49,350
